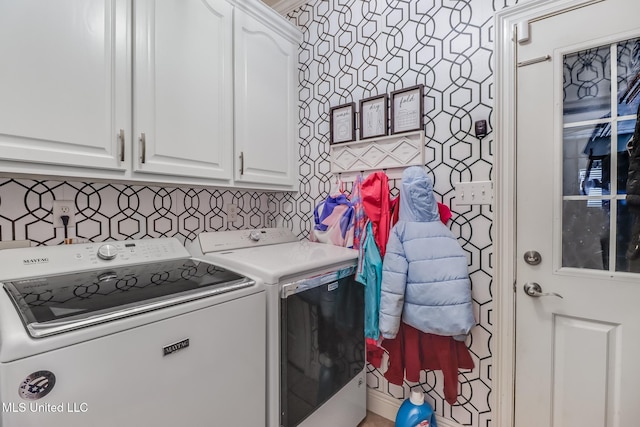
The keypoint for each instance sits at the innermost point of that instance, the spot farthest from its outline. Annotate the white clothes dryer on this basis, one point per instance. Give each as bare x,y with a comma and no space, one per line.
315,323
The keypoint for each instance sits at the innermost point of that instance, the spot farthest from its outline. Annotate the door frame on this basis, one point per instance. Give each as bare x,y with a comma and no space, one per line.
509,23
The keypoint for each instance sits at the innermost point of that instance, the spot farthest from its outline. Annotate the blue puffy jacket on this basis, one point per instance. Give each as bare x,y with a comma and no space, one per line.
425,279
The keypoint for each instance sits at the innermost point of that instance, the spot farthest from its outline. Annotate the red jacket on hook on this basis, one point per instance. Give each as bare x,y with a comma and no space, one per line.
377,206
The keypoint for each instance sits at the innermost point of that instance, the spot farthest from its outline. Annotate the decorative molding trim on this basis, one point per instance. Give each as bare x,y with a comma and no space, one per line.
271,18
391,153
283,7
387,407
504,179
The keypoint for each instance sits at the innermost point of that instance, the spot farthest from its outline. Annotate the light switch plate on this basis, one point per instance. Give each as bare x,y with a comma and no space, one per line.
474,193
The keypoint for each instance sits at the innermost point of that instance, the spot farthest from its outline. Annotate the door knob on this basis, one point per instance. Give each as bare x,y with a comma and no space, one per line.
532,257
534,290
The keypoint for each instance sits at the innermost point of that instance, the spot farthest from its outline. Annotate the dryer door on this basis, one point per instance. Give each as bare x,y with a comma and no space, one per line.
322,345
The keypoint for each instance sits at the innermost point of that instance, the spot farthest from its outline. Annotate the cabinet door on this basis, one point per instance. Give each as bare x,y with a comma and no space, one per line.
64,82
183,105
266,106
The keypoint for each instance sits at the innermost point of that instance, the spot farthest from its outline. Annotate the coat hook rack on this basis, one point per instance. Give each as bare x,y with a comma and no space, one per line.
390,154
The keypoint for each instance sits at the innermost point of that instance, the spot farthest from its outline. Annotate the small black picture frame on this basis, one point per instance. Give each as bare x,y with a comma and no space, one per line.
407,109
373,116
342,120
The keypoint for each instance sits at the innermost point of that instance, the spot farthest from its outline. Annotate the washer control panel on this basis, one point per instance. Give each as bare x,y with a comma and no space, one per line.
107,252
47,260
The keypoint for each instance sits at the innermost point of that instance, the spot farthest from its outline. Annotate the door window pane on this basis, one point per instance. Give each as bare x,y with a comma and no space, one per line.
585,234
587,85
627,245
628,77
596,162
625,132
587,160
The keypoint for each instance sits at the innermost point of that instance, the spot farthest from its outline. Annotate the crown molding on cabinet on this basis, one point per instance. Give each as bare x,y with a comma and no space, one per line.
267,15
285,6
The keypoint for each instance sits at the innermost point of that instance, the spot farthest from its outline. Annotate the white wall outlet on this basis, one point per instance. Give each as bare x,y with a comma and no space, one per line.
232,212
474,193
64,207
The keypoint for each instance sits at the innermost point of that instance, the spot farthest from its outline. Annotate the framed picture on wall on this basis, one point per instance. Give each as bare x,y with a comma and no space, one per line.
407,108
342,120
373,116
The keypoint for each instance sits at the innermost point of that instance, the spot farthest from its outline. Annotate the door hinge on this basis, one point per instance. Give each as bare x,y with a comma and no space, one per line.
522,31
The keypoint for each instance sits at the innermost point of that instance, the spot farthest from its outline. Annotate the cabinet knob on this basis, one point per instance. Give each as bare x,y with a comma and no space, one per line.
242,163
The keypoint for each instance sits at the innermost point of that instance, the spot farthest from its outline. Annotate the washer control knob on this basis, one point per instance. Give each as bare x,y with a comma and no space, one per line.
255,235
107,252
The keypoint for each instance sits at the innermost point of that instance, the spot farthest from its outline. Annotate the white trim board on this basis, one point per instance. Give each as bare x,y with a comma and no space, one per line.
505,49
387,407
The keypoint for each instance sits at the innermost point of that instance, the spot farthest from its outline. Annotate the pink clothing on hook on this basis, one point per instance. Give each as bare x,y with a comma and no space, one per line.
359,216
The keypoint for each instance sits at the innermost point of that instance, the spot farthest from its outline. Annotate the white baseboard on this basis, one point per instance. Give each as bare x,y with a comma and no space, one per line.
382,404
387,407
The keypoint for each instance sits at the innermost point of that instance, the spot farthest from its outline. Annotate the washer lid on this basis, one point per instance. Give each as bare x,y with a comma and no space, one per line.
58,303
272,263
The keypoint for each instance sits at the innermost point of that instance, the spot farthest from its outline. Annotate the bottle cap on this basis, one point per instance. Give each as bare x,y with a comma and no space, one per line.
417,397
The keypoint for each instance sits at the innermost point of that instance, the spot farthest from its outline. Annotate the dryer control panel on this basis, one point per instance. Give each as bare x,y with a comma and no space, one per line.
236,239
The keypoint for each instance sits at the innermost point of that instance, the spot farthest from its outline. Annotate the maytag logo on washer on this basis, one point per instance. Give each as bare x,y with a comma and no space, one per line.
175,347
37,385
31,261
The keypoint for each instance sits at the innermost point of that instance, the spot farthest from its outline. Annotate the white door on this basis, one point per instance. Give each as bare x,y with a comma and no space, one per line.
183,88
266,107
64,82
577,357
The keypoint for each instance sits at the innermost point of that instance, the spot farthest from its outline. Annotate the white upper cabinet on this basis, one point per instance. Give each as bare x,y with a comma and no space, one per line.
64,82
265,102
155,91
183,88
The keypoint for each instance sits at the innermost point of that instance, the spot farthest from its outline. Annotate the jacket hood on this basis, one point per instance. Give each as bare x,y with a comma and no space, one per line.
417,202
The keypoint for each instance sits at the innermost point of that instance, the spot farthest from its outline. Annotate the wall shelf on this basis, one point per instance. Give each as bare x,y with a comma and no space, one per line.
390,153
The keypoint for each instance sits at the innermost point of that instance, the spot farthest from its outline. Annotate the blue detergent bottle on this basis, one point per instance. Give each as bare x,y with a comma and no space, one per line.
415,412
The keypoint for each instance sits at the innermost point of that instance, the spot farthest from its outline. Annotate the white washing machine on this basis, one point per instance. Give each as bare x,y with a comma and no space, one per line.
134,333
315,323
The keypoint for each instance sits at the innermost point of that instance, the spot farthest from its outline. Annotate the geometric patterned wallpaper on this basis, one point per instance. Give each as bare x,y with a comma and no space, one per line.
350,50
356,49
106,211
